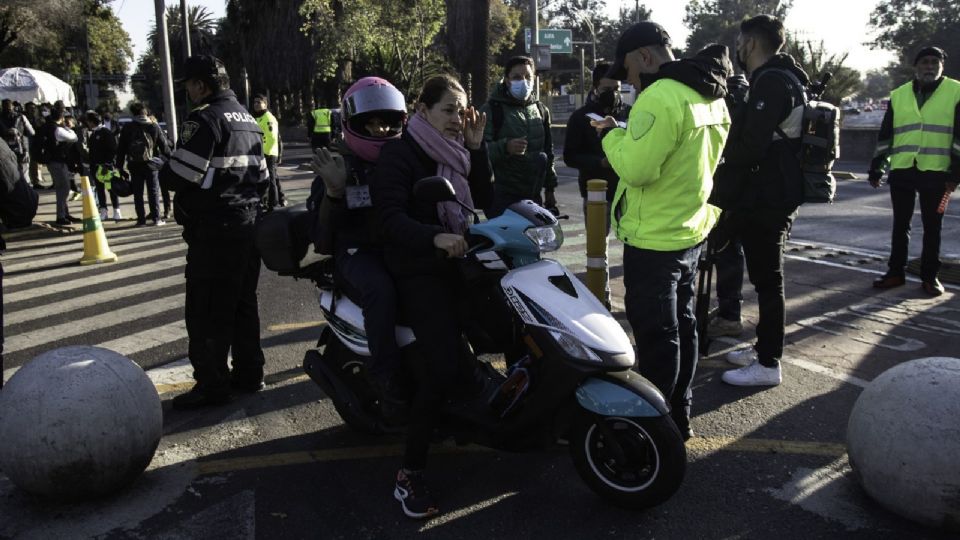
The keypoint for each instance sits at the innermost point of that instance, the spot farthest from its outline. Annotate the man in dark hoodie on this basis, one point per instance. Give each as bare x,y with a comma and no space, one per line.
772,186
582,149
665,158
518,139
140,142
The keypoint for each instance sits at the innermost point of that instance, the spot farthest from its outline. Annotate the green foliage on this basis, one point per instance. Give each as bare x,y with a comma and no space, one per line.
877,85
906,26
718,21
815,61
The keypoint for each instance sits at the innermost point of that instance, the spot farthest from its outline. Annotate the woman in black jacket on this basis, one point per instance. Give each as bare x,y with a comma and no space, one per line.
443,138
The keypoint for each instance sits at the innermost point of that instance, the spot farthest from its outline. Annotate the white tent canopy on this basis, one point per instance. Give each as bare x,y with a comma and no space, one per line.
25,84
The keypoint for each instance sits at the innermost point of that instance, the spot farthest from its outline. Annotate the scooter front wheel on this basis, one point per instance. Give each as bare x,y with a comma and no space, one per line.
630,462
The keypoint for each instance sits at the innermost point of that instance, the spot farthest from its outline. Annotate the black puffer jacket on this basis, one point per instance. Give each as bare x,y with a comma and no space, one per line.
771,167
583,150
407,225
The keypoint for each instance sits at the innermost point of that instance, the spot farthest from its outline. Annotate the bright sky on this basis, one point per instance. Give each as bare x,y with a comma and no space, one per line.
844,29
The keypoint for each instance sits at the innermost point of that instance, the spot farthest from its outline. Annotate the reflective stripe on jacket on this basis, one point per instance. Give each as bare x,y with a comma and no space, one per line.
321,121
923,136
665,158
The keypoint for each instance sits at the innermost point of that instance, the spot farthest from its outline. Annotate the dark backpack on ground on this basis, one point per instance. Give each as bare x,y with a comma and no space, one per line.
496,113
819,144
18,201
140,148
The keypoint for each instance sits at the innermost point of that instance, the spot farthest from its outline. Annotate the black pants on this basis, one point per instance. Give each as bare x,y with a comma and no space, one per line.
221,313
141,177
364,277
763,234
1,326
102,196
903,198
428,303
274,190
730,265
659,304
319,140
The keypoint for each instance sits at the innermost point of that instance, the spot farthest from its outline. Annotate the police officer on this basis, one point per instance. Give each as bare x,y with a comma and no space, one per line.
919,141
219,175
272,149
319,124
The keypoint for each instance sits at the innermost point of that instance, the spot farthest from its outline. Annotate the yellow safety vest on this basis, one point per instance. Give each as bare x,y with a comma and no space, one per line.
923,136
271,140
321,121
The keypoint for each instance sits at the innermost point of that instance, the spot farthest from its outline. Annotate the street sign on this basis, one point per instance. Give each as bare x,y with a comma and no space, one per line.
560,40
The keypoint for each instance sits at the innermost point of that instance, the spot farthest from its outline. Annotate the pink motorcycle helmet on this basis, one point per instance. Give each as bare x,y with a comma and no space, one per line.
366,98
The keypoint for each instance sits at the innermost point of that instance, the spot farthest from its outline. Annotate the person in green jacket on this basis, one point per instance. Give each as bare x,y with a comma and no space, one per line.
518,139
272,148
665,158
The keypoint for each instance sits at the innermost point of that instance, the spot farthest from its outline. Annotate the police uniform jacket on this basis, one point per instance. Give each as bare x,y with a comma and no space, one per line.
218,170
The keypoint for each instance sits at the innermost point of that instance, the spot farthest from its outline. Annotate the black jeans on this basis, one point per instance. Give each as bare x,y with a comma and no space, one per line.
102,196
221,312
659,303
274,190
428,303
364,278
763,234
903,198
730,263
141,177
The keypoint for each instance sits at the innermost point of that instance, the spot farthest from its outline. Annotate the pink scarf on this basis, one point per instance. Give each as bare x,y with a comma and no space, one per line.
453,163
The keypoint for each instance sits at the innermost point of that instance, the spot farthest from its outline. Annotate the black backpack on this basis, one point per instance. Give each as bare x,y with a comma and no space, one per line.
18,201
141,144
819,144
14,139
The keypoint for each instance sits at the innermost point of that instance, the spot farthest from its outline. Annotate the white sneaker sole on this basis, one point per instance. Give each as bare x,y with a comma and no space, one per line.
409,513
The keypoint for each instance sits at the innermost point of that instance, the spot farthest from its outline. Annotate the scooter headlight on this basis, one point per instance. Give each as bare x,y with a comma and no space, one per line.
574,347
546,237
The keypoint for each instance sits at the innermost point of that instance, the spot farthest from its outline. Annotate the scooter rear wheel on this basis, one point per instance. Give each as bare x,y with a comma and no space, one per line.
630,462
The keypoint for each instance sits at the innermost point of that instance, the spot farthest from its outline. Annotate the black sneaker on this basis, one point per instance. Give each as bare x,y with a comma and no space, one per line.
413,495
247,387
198,398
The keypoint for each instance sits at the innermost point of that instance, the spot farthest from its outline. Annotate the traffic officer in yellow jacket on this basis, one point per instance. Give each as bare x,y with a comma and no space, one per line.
919,141
665,158
219,175
320,125
272,148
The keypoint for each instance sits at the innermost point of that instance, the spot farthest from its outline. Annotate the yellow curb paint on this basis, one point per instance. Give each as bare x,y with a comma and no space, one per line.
174,387
295,326
772,446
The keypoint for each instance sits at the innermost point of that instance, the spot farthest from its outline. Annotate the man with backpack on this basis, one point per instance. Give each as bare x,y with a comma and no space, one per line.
763,138
518,138
140,142
15,130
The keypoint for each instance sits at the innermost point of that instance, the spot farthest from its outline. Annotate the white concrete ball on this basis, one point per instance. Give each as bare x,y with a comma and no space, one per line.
903,440
78,422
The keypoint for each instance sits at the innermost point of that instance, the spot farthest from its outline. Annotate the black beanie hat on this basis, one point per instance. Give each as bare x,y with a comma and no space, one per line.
930,51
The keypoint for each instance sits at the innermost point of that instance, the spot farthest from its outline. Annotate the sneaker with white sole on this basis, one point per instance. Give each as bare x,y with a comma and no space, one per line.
116,214
742,357
755,374
413,495
159,223
103,214
724,327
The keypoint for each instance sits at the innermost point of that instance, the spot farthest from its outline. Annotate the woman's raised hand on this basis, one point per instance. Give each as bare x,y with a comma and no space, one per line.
473,124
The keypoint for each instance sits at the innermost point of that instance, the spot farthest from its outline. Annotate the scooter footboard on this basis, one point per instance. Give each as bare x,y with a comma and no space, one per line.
621,393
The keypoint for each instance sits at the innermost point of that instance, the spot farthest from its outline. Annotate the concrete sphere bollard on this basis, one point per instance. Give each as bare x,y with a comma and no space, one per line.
78,422
903,440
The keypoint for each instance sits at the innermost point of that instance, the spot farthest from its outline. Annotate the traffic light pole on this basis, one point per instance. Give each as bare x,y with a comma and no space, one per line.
165,73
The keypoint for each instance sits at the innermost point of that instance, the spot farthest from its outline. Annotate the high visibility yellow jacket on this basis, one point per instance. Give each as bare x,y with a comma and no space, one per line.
923,136
321,121
665,158
271,133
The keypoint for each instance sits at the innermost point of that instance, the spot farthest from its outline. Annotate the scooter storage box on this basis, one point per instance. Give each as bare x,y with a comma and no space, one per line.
282,238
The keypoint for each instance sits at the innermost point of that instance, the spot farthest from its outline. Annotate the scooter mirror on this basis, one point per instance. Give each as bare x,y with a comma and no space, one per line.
434,189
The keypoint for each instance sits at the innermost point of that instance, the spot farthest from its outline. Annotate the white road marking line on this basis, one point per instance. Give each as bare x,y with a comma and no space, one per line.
70,329
81,282
122,249
92,299
175,250
147,339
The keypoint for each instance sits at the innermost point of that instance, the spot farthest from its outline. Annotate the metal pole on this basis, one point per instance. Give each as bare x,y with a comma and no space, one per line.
583,79
534,41
165,73
598,274
184,19
636,10
89,66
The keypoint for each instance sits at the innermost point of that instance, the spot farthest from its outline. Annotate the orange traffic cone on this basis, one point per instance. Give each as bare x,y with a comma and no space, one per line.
95,248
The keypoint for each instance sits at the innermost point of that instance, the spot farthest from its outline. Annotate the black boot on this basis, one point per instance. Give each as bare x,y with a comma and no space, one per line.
199,397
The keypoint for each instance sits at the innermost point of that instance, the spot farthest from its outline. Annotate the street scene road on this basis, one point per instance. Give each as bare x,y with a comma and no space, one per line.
280,463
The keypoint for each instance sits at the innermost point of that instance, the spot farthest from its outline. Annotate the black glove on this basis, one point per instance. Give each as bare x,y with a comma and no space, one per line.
875,178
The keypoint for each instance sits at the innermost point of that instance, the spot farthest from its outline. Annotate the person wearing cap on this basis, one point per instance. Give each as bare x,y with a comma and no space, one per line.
219,177
582,149
272,148
665,159
919,143
518,136
762,144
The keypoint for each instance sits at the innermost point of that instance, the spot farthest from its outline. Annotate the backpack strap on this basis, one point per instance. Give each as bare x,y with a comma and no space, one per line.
792,82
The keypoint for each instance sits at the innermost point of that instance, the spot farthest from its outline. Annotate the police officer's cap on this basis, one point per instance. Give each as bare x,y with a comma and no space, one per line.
930,51
641,34
202,67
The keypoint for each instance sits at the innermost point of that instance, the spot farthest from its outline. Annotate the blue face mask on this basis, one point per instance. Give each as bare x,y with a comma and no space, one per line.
521,89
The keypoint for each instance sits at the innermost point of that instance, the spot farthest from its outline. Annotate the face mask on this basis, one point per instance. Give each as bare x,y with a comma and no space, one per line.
521,89
608,99
741,62
44,113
